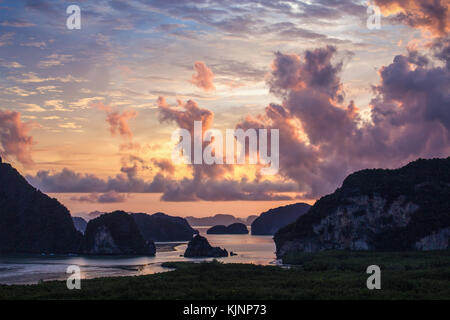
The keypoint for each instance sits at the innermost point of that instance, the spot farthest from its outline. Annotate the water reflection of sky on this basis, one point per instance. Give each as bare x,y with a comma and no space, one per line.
24,269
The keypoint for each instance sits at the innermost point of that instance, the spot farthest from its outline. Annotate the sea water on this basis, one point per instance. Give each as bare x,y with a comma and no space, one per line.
29,269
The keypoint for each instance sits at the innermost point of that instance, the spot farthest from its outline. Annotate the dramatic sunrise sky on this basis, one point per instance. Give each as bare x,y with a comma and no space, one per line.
87,115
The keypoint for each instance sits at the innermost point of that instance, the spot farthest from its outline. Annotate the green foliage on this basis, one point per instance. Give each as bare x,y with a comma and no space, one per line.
357,261
326,275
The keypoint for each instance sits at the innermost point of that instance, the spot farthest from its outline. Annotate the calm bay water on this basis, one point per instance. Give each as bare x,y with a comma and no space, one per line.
27,269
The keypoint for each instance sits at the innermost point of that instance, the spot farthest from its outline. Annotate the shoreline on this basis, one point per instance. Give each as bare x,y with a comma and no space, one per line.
321,276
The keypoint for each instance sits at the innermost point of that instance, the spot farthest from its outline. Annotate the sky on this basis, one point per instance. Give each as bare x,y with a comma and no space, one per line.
87,114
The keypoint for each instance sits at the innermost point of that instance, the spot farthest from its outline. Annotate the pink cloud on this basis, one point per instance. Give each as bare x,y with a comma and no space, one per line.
14,137
432,15
204,77
184,116
118,122
323,139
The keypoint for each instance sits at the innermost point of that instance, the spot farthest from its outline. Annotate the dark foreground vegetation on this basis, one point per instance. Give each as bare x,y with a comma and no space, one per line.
326,275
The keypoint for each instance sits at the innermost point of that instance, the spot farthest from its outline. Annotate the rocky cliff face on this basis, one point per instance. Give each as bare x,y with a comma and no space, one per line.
403,209
30,221
437,240
269,222
115,233
199,247
161,227
80,224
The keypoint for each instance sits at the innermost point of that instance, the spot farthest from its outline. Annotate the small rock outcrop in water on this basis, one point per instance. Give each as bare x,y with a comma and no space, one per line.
199,247
269,222
115,233
161,227
395,210
30,221
235,228
80,224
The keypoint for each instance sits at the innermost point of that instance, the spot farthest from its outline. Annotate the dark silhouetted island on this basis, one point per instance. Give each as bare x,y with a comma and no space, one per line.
115,233
160,227
235,228
30,221
269,222
377,209
218,219
199,247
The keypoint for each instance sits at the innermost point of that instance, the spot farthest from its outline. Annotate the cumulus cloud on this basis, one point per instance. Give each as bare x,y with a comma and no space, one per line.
209,182
206,185
15,139
184,115
291,73
165,165
323,139
204,77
